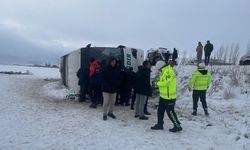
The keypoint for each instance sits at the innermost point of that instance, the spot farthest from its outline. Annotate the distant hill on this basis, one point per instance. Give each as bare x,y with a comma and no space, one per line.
16,49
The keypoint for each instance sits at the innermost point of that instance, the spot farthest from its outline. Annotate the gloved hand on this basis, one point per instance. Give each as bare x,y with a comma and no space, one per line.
155,84
189,89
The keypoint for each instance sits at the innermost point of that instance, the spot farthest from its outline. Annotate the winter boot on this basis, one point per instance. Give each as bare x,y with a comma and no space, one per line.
132,107
157,127
194,113
147,113
105,118
206,113
175,129
112,115
136,116
143,118
92,106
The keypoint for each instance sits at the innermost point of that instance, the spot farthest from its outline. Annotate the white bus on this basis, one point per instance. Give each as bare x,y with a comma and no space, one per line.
71,62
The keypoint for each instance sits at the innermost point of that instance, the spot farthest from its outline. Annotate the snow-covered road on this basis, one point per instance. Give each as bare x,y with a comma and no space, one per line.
30,119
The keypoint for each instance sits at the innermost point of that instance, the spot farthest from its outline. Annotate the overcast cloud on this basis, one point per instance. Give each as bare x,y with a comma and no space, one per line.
59,26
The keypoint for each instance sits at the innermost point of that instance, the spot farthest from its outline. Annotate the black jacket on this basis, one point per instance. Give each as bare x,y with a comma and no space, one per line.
143,85
175,55
208,48
126,81
96,79
132,76
83,76
110,79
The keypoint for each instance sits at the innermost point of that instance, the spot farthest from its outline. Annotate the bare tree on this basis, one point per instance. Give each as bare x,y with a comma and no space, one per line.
220,53
248,48
225,57
231,53
236,54
184,58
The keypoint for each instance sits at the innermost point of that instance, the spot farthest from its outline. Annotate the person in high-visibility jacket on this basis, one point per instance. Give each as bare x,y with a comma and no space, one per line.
201,79
167,88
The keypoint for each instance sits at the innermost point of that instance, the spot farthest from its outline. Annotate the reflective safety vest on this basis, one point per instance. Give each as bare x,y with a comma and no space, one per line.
200,81
167,83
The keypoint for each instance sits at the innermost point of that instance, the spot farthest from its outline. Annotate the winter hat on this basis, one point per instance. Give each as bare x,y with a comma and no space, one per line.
159,64
202,65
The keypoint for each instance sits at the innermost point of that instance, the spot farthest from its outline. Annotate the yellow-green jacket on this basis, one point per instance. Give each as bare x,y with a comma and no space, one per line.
201,79
167,83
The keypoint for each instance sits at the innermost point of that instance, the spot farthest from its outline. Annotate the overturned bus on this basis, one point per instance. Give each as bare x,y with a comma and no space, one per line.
71,62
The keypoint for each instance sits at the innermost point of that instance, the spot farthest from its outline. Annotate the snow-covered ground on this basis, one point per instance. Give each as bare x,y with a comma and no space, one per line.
34,114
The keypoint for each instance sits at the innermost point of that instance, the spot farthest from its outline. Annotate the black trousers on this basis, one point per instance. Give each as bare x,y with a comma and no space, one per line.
146,106
96,94
207,59
199,94
83,93
125,97
133,98
167,105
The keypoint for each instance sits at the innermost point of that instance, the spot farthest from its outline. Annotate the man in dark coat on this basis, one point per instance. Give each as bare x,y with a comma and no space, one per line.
126,87
143,89
119,90
83,76
175,55
208,50
110,83
133,82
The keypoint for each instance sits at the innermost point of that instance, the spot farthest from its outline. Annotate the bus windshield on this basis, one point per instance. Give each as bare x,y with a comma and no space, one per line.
102,54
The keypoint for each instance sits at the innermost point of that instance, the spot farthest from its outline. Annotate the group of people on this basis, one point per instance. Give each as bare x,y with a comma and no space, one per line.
207,49
106,80
115,85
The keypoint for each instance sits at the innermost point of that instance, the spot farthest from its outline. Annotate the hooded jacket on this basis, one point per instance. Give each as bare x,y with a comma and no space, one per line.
110,78
201,79
208,48
83,76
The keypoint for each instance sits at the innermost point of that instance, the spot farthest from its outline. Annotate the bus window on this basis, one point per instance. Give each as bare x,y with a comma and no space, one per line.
102,54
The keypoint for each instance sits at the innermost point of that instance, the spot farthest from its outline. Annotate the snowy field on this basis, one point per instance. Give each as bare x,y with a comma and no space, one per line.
34,114
36,71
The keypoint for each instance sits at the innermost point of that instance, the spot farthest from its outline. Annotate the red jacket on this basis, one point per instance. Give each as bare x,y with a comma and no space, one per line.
92,68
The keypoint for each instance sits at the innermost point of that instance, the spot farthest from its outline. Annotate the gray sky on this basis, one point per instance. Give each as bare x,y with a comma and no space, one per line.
59,26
